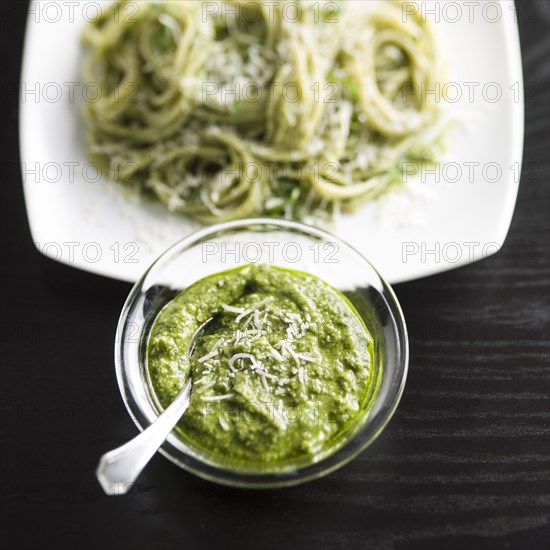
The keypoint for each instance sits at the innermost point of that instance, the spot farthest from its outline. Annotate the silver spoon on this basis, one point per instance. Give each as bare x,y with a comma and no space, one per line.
119,468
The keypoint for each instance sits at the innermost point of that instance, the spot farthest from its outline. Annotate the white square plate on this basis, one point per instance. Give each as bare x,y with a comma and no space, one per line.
456,216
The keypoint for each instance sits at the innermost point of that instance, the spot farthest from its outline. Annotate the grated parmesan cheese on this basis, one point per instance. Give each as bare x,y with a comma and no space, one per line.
217,397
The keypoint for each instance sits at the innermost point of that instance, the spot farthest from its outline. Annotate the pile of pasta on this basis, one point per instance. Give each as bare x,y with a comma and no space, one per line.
231,109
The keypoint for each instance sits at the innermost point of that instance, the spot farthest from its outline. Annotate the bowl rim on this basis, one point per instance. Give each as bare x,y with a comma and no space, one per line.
342,455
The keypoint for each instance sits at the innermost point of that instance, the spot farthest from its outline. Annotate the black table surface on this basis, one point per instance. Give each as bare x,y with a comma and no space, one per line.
463,464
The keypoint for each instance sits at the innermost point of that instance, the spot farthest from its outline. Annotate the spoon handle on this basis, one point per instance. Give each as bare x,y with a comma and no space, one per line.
119,468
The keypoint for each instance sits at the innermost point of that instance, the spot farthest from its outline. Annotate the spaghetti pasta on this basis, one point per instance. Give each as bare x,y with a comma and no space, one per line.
227,113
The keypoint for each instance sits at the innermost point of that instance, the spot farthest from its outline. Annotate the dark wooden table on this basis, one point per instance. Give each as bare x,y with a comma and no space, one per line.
464,463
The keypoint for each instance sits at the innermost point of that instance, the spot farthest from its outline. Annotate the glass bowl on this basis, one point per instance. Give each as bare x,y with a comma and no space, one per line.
285,244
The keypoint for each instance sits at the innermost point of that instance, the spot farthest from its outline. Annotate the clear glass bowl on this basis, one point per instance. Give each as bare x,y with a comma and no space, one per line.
282,243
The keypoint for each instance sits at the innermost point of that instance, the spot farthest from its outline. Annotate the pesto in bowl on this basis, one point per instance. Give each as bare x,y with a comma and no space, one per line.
283,372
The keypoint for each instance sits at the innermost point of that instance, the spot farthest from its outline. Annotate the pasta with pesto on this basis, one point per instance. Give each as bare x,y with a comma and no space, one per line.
223,110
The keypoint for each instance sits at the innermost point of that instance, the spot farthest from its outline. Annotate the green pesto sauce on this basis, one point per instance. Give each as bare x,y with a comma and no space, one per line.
282,373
